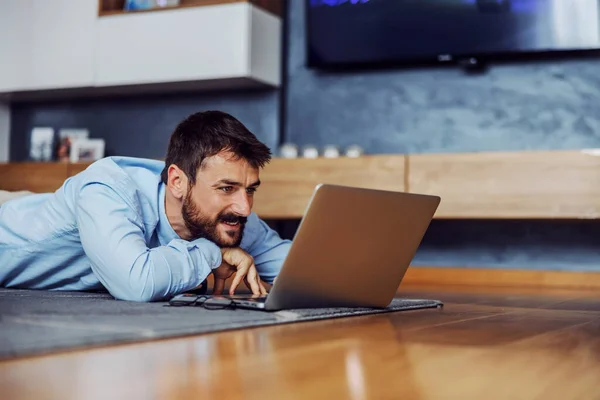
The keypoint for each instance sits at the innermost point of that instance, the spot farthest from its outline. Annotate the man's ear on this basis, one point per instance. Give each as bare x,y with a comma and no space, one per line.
177,182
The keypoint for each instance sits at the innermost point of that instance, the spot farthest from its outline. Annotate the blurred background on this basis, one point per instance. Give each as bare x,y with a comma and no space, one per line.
385,76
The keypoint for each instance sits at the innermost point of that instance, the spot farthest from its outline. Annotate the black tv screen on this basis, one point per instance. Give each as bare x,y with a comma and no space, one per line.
346,32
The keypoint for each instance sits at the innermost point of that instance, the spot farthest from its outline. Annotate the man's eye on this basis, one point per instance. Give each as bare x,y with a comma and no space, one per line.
227,188
251,190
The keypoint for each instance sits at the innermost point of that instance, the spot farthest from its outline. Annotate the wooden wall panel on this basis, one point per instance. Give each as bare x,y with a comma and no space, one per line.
31,176
524,184
546,184
289,183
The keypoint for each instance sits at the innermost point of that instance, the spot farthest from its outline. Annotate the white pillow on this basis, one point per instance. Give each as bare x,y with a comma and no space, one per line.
6,195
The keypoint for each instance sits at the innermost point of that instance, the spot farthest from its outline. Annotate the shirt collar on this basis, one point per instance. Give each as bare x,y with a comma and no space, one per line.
166,233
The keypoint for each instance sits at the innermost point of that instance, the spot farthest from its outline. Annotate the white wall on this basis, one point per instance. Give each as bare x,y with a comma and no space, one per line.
4,131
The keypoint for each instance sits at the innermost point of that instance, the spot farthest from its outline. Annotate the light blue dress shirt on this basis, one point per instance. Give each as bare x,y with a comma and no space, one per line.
106,228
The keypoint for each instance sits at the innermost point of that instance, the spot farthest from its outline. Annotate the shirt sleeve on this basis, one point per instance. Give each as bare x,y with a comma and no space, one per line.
112,235
268,249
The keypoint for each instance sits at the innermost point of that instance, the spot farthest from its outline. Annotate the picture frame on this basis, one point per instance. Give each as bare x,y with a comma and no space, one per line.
66,137
41,144
86,150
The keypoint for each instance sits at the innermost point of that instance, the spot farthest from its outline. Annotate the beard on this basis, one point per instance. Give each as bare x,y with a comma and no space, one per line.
202,226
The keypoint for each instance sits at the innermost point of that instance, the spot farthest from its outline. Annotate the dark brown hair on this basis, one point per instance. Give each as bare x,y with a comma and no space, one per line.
205,134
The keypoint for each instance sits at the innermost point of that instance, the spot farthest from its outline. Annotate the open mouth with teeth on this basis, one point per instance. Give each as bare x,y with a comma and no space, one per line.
232,221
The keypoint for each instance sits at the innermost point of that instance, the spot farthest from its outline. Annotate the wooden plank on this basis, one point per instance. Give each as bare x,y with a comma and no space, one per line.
31,176
522,184
492,277
75,168
289,183
107,6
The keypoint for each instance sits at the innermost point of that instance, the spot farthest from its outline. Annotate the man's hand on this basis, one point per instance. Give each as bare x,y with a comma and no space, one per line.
236,260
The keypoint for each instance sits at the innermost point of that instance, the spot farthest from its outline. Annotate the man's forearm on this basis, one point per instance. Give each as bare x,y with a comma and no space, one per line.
169,270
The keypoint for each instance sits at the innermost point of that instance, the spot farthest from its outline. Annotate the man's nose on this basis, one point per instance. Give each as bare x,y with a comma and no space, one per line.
242,204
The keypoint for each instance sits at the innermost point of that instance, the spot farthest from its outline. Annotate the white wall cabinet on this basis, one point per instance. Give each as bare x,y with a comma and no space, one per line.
188,45
63,44
15,44
4,132
264,43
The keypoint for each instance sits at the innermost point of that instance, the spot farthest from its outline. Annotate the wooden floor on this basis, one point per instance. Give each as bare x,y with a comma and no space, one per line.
484,344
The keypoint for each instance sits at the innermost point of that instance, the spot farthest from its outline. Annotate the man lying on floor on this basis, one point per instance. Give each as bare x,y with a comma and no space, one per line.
147,230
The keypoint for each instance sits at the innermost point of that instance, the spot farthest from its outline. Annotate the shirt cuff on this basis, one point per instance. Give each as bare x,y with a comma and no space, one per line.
210,251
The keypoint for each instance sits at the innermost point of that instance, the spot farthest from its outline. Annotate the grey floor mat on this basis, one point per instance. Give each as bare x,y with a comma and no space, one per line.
38,322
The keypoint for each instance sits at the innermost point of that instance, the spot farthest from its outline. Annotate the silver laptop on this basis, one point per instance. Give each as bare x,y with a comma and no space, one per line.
351,249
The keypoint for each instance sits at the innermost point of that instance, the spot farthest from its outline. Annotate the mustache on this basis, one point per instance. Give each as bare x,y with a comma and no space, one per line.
232,218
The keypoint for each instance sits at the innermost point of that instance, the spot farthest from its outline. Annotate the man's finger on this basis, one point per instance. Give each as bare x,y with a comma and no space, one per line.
249,285
253,279
242,271
263,290
235,282
219,286
261,286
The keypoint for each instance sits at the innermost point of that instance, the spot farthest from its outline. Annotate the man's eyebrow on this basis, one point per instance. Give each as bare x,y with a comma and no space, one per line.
234,183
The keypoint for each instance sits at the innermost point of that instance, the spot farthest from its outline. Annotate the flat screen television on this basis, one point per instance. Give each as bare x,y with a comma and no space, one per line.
366,32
